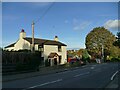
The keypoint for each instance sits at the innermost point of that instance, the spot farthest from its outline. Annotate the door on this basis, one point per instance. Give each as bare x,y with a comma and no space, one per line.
55,61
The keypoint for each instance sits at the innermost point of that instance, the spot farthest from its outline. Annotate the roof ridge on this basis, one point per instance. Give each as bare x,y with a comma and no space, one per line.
42,39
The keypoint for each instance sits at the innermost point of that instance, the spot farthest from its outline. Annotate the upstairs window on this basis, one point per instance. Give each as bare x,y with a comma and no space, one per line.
59,49
40,48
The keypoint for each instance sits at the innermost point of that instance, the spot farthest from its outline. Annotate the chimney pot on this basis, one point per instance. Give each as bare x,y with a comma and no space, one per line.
22,30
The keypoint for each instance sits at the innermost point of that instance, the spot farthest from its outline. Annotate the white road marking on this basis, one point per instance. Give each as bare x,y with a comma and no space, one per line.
44,84
92,67
81,74
65,69
83,66
114,75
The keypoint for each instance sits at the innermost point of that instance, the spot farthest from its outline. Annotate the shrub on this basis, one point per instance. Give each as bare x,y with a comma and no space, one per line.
67,65
115,59
47,63
77,63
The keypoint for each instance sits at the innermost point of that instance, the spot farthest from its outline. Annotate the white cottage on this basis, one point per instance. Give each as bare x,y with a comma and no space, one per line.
52,50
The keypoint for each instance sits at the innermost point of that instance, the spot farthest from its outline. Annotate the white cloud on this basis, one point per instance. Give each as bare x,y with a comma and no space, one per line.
85,24
80,26
112,24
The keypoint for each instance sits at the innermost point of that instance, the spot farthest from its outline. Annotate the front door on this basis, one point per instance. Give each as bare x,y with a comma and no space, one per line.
55,61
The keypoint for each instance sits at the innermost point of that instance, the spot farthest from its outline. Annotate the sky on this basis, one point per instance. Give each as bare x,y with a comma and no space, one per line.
70,21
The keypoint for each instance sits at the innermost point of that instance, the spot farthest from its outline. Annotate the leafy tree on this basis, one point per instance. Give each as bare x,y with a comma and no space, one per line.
85,56
99,38
117,43
80,52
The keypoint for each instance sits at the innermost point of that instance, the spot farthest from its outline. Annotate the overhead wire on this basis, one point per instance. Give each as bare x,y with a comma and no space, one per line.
46,11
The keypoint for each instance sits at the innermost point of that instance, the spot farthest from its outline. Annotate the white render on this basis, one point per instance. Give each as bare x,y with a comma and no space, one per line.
22,44
22,35
53,48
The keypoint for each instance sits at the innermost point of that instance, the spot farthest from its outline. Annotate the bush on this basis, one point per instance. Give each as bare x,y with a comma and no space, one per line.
77,63
115,59
24,60
67,65
47,63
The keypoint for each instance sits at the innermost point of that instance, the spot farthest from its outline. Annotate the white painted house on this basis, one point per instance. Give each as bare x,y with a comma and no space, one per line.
52,50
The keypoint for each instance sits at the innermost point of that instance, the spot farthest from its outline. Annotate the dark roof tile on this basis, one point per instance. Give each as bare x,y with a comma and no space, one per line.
11,45
44,41
40,42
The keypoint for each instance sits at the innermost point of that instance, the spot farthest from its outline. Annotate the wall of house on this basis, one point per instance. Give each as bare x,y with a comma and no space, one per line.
63,53
36,47
53,48
22,44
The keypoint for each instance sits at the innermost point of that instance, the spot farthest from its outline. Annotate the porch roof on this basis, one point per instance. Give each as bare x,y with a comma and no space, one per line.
52,55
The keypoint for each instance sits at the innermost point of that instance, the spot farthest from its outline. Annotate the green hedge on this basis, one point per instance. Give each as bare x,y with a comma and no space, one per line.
24,60
115,60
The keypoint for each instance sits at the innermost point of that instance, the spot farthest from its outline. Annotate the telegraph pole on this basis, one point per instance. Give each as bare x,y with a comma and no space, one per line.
33,48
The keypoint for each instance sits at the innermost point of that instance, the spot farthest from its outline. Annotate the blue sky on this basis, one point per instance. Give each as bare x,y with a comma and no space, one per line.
71,22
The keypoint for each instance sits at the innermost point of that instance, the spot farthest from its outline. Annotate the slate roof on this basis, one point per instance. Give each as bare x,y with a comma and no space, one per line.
11,45
40,42
44,41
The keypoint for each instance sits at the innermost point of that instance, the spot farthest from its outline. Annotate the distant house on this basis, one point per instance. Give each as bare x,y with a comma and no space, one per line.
51,50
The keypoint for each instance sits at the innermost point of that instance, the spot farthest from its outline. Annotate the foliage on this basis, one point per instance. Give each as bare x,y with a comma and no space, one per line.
115,59
117,43
97,38
80,52
71,53
85,56
47,63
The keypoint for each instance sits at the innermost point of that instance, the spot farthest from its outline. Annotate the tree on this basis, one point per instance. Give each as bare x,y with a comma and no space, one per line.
80,52
85,56
117,42
99,39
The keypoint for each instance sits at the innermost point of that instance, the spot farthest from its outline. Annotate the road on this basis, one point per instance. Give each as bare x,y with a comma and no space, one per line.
89,76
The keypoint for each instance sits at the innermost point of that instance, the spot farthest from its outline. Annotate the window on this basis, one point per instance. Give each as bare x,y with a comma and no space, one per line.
40,48
59,49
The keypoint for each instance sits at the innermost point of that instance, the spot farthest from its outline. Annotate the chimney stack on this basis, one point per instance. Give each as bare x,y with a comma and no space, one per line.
22,34
56,38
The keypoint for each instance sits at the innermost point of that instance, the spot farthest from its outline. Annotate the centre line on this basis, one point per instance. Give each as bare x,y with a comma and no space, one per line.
81,74
44,84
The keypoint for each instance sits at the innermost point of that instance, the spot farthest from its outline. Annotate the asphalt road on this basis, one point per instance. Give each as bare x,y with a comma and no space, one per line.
90,76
